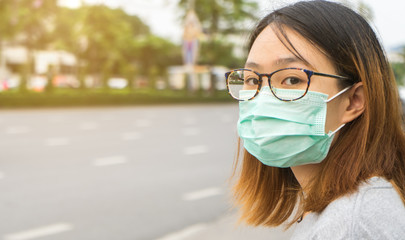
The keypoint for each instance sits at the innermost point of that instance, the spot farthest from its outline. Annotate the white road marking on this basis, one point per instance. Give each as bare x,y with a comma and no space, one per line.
17,129
194,150
185,233
2,175
39,232
189,121
129,136
191,131
54,142
141,123
108,161
204,193
89,126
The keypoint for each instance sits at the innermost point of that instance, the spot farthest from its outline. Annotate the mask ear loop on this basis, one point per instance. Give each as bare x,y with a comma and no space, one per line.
332,133
338,94
330,99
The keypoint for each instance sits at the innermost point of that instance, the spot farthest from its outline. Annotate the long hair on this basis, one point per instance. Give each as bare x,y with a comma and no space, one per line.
371,145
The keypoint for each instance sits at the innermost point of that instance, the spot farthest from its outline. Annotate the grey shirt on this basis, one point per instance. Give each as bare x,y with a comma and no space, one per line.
375,211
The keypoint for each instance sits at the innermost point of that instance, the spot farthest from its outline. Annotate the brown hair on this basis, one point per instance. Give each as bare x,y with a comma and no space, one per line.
371,145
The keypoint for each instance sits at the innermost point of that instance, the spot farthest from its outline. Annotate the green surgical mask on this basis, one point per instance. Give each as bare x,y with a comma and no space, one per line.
285,134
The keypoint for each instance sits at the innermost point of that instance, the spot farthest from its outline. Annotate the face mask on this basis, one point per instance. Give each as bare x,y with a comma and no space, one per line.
285,134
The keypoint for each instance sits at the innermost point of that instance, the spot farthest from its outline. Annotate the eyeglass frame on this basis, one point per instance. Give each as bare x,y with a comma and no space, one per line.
309,74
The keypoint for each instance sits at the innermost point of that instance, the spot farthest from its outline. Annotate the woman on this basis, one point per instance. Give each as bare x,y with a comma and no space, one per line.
320,123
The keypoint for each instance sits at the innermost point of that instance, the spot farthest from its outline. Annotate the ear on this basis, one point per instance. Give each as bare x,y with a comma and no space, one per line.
355,103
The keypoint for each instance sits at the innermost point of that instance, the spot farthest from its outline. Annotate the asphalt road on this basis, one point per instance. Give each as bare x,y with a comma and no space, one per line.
114,173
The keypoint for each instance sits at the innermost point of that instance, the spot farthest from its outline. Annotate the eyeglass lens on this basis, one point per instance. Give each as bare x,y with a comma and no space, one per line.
243,84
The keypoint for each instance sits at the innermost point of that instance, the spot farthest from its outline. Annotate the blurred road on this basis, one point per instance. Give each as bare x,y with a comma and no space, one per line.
122,173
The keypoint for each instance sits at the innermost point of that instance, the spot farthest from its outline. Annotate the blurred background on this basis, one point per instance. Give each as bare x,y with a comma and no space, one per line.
115,122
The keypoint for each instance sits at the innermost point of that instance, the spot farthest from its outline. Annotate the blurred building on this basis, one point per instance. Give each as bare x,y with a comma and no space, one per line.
206,78
60,66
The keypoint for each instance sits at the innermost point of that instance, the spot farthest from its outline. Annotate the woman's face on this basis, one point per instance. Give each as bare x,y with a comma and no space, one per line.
269,54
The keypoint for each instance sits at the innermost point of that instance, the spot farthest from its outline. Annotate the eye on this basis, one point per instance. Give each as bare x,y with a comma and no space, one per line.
293,81
251,81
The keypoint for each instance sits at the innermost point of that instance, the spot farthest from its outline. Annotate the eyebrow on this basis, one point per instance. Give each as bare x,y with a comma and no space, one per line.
279,61
252,65
286,60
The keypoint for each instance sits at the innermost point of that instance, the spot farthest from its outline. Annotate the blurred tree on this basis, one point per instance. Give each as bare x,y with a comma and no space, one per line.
107,36
30,23
106,42
68,29
28,20
109,42
223,23
399,72
155,54
119,44
218,52
69,35
101,38
399,68
221,17
6,25
104,39
7,21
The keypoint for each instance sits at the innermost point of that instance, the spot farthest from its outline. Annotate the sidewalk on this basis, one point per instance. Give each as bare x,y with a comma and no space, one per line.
226,228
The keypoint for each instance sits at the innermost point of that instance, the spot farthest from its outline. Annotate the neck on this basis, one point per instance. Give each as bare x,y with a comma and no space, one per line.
304,173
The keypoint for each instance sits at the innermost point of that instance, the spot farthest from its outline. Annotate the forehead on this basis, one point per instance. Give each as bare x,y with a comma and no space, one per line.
269,52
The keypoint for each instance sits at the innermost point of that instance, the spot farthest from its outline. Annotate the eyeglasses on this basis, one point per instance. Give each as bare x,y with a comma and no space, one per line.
245,84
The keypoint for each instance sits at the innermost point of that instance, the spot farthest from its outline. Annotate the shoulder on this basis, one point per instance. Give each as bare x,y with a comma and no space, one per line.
334,222
375,211
379,211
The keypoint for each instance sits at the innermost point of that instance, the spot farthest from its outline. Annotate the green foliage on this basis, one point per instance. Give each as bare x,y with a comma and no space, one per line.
222,21
399,72
219,52
7,21
106,42
226,16
108,37
94,97
118,44
34,21
67,30
112,43
399,68
30,21
156,52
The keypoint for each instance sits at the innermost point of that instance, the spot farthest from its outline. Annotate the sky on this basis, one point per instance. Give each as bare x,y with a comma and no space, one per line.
164,18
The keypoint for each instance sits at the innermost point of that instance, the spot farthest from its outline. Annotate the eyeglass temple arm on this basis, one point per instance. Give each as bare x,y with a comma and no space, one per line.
329,75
